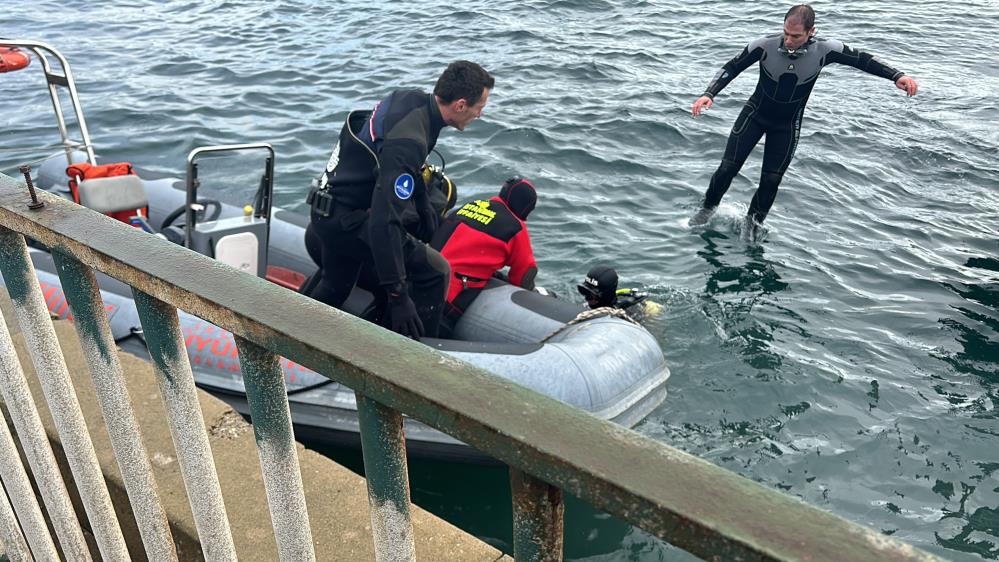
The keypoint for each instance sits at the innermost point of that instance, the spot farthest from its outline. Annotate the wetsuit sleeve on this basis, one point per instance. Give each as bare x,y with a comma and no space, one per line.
860,60
523,267
732,68
398,158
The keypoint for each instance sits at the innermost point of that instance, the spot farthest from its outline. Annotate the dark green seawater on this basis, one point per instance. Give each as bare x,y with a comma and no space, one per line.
850,358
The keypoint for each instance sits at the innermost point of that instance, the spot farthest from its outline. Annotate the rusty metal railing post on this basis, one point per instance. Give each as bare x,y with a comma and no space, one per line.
165,342
37,449
16,548
271,417
383,446
538,513
18,487
94,330
39,335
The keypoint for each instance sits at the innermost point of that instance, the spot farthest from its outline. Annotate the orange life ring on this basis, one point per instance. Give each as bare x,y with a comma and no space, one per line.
12,58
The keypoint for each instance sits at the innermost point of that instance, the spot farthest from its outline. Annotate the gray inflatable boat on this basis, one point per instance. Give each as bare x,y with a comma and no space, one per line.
601,363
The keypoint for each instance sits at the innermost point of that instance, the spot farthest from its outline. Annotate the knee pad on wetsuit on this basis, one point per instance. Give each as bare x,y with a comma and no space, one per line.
429,270
442,266
428,274
727,170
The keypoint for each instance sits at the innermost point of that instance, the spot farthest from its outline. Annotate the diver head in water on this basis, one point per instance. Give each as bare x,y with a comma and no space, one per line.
599,288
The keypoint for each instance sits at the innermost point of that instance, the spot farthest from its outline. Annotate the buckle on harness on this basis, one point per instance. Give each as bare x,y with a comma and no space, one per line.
321,201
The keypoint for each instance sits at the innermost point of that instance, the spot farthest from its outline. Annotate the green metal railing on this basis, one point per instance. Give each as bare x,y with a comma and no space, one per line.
549,446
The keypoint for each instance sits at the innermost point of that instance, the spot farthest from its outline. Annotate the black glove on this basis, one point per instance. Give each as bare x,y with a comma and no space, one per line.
402,316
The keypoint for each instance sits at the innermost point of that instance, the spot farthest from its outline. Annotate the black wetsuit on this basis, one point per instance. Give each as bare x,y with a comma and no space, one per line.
776,108
381,216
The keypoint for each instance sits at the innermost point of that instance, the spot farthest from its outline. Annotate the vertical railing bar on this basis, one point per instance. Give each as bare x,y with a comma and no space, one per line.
383,446
165,343
28,424
271,418
538,514
38,451
94,330
50,366
14,545
18,486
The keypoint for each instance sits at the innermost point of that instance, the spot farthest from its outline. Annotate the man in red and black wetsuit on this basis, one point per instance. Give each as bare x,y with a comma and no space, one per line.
483,237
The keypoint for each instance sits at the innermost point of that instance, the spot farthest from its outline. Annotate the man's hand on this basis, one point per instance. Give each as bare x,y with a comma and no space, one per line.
907,83
705,102
402,316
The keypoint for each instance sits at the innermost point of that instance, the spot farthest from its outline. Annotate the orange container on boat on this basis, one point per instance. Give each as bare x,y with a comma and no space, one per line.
12,58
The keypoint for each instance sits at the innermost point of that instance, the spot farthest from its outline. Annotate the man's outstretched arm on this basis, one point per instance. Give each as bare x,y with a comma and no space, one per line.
728,72
860,60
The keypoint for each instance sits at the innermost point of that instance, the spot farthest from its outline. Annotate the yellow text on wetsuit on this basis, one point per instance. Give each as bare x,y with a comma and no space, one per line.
478,211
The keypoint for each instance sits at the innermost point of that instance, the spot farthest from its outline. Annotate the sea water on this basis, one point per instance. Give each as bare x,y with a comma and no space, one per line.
849,358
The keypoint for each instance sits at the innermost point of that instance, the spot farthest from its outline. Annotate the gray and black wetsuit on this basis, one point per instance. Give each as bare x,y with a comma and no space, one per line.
382,215
776,107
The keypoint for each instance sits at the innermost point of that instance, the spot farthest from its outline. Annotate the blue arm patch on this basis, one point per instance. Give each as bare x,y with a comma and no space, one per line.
404,186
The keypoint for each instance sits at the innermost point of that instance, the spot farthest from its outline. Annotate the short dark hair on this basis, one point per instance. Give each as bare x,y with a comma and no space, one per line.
804,12
463,79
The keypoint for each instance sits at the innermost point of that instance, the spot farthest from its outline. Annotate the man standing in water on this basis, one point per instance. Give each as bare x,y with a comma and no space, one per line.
789,65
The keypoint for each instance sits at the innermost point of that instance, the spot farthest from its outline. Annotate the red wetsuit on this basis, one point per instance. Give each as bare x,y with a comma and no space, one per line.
481,238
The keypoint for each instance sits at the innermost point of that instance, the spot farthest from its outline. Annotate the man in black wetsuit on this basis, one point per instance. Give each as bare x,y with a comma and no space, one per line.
789,65
372,210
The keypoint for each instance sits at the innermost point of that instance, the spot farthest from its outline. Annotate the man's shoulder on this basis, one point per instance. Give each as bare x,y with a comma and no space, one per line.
408,116
825,45
401,102
408,94
771,40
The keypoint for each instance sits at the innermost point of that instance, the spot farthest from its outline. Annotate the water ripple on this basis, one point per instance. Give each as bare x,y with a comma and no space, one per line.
848,357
